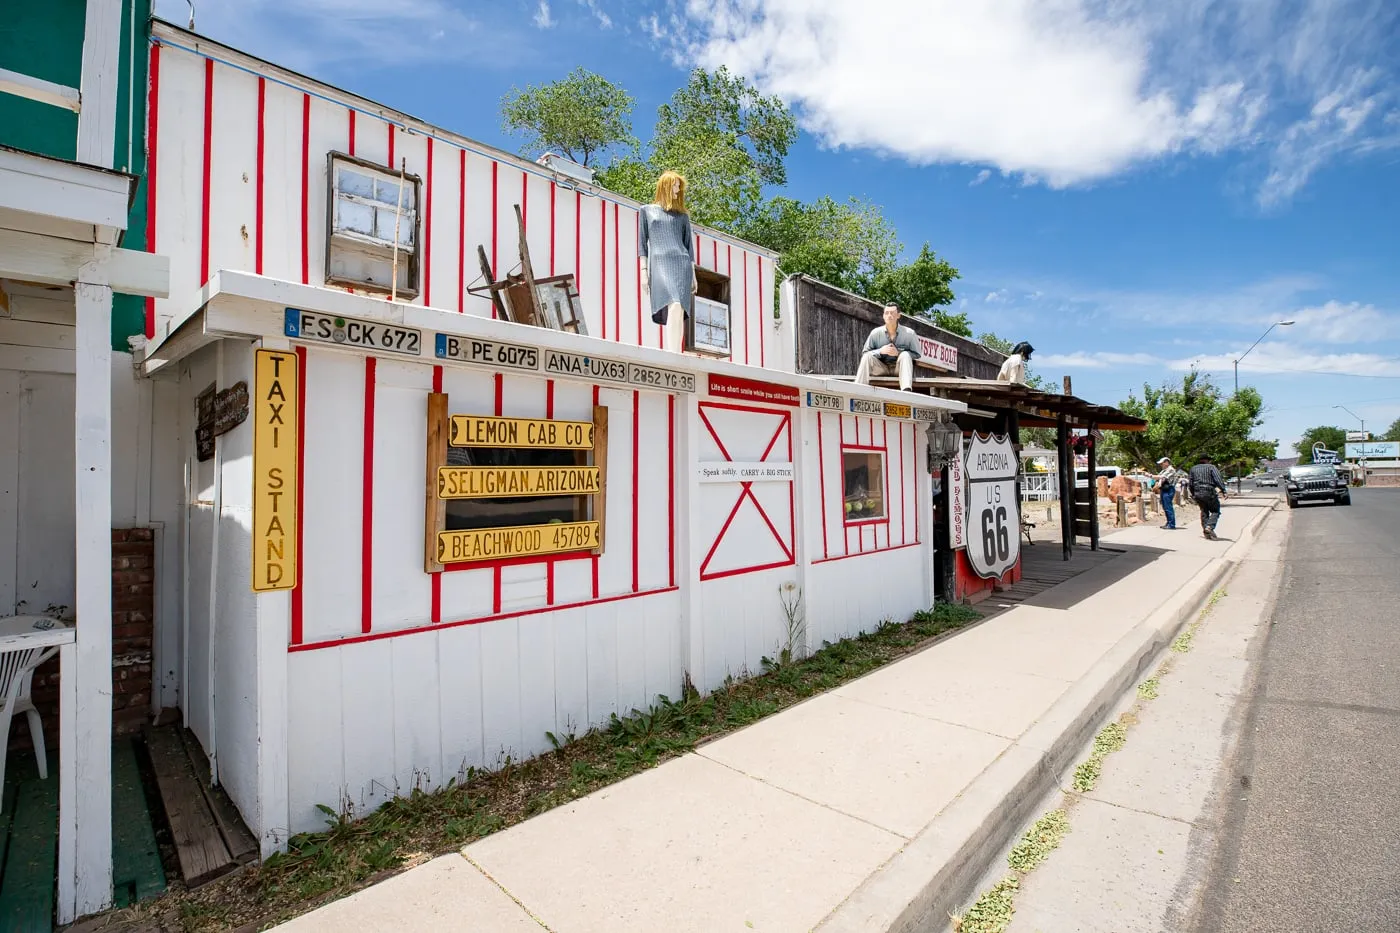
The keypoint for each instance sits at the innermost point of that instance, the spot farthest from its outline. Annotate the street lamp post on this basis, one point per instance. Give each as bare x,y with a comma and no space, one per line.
1237,369
1363,437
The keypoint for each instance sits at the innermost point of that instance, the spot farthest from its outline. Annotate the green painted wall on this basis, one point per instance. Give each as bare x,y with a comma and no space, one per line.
44,38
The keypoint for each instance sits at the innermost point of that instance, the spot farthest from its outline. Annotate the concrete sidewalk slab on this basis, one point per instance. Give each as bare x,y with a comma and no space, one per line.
876,806
447,894
829,750
689,846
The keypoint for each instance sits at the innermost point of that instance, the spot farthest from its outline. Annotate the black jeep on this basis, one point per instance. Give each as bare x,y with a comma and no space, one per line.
1314,482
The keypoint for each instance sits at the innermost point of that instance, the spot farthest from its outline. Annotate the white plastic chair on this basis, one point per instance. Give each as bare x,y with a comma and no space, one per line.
17,666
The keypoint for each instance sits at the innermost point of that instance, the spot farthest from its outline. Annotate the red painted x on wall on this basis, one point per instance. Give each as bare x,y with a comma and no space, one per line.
748,420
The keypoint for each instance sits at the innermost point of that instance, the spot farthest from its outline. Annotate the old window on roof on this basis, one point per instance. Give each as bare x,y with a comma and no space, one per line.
371,211
709,324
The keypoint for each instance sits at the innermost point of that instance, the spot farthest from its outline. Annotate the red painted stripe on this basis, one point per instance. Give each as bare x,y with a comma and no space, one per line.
860,447
903,494
352,130
525,200
462,233
553,203
821,482
597,517
496,572
617,277
746,308
305,189
637,238
762,318
301,495
495,191
603,266
885,474
714,546
514,562
208,166
391,148
671,486
399,633
258,196
792,497
578,238
437,577
367,528
897,547
743,570
549,412
763,514
152,110
636,487
918,481
428,232
714,254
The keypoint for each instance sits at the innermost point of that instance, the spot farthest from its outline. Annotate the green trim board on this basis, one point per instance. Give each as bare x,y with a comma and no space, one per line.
31,857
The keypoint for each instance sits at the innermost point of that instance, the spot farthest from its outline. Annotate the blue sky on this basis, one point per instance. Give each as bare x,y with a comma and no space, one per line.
1133,189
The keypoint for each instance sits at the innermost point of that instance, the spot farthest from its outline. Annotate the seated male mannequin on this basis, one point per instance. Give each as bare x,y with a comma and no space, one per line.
889,350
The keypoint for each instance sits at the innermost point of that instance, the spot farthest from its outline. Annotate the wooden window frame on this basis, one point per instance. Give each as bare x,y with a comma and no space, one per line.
716,284
371,247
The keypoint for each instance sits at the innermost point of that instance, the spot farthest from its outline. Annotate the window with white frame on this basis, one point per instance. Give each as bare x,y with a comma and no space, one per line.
372,226
709,322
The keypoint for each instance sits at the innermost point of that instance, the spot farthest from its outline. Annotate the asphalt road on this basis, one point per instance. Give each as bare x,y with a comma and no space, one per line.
1311,834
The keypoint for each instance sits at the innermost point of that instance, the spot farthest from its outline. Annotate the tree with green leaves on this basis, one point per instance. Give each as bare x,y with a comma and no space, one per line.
580,116
922,288
726,138
1392,433
1189,420
1330,436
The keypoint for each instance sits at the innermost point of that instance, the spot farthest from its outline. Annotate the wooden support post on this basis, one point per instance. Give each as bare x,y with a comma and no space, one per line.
1067,490
1121,515
434,508
85,685
1093,488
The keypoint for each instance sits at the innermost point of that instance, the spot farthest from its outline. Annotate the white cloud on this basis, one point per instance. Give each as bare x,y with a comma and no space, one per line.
1350,322
543,18
602,17
1098,360
1069,91
981,177
1285,358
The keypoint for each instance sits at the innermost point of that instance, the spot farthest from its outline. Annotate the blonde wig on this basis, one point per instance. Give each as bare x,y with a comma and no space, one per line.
670,192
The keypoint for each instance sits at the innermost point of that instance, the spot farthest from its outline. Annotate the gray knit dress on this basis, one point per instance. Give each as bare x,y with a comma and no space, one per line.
668,244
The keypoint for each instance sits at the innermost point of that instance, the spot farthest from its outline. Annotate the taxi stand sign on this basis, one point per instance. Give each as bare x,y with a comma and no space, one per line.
275,427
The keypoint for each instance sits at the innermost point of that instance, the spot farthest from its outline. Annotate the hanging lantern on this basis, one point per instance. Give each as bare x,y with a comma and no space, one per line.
944,442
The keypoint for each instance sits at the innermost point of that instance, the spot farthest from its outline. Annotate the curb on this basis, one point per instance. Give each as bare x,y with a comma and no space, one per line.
937,873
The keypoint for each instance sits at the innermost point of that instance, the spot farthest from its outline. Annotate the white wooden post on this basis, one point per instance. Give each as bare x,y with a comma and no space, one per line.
97,118
85,745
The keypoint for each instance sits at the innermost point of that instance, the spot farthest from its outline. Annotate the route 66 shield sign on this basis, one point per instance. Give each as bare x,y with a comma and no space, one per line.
993,512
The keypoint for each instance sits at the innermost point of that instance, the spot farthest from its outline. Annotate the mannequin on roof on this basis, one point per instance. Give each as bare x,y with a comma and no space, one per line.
666,245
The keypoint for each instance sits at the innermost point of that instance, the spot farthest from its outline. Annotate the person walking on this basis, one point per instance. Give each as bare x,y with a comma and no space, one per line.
1205,481
1166,490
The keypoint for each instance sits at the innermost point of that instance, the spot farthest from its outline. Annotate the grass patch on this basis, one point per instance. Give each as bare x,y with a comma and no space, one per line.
1039,841
1110,738
991,913
1183,641
408,830
1147,690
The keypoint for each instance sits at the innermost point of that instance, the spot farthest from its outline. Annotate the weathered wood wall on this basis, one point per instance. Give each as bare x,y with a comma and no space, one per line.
832,325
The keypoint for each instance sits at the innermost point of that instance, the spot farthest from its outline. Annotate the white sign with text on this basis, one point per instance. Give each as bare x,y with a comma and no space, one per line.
992,509
734,471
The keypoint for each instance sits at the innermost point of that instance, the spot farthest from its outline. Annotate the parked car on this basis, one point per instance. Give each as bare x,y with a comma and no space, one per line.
1316,482
1268,479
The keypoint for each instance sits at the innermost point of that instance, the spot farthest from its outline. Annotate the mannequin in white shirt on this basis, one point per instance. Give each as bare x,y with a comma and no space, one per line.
1014,369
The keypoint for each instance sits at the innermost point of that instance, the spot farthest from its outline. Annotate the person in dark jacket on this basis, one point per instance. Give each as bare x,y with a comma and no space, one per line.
1205,481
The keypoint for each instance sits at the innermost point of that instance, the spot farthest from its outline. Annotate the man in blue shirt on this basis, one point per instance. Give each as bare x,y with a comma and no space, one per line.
889,349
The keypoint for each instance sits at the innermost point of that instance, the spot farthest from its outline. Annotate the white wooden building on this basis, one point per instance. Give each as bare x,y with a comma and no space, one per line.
362,667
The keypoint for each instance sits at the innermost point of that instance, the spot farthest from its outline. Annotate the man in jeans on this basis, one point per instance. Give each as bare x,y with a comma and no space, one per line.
1205,480
1166,488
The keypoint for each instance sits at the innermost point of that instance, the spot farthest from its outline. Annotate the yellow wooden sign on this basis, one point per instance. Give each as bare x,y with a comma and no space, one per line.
275,427
456,547
485,431
896,410
491,482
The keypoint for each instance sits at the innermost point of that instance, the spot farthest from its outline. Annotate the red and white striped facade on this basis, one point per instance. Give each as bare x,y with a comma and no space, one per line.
238,181
372,677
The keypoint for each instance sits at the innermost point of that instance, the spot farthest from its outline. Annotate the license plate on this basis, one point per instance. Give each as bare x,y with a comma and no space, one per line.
371,336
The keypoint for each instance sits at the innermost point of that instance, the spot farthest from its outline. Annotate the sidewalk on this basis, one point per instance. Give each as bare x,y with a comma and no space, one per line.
873,807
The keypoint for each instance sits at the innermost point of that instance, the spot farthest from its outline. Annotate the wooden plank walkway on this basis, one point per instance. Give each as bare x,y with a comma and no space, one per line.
210,838
1043,567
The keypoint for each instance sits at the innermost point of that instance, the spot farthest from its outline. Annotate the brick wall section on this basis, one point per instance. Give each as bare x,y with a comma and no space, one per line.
133,608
